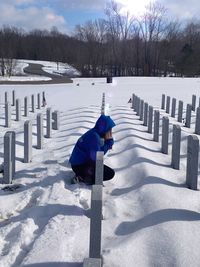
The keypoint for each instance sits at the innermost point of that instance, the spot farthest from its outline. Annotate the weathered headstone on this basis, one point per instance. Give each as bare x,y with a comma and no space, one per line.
150,119
40,134
165,135
188,115
176,143
180,111
27,141
192,162
156,125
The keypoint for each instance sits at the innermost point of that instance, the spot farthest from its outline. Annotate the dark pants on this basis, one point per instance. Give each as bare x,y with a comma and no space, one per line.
87,172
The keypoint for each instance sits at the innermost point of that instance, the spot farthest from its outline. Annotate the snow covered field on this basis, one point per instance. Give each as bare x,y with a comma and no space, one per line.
59,68
150,218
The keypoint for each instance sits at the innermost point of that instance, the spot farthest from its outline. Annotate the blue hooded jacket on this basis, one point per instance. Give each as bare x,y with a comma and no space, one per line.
91,142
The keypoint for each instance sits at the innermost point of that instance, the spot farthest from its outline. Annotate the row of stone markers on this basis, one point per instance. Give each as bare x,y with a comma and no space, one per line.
52,122
7,98
17,104
95,259
103,105
193,141
189,109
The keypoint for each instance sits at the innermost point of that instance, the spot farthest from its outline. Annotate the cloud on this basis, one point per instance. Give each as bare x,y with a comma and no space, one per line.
182,9
81,4
30,17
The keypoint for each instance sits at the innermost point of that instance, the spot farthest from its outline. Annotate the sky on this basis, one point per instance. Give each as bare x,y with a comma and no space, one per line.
65,14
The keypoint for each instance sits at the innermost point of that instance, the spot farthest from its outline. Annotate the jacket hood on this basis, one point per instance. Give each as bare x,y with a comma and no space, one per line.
104,124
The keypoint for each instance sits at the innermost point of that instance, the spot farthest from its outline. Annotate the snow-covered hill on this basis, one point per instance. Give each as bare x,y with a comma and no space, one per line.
55,68
150,218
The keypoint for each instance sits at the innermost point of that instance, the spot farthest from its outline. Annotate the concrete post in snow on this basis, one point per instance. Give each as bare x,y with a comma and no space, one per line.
7,115
99,168
49,123
173,112
9,157
133,99
163,102
176,143
141,110
13,98
26,106
180,111
40,134
146,107
150,119
103,105
168,104
197,124
95,222
135,102
38,101
192,162
156,125
18,110
13,151
138,106
188,115
7,175
56,120
193,102
6,97
27,141
33,103
165,135
91,262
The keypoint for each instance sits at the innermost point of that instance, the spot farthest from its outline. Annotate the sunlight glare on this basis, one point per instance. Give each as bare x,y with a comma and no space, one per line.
134,7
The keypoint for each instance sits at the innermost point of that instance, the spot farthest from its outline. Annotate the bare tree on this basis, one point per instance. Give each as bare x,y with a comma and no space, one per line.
152,26
120,28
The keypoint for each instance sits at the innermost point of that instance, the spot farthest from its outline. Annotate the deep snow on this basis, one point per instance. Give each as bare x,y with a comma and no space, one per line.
150,217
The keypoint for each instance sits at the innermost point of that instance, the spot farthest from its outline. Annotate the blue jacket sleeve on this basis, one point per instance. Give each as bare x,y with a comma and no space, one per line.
108,145
95,145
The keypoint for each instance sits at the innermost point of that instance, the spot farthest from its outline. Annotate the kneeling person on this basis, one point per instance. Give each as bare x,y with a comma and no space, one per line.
83,157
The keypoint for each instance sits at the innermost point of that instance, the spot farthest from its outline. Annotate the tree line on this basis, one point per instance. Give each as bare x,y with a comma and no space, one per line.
119,45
